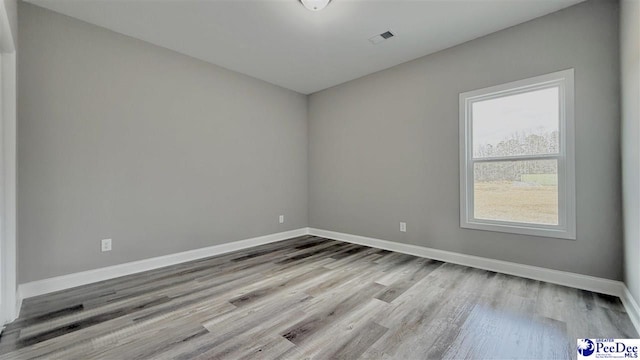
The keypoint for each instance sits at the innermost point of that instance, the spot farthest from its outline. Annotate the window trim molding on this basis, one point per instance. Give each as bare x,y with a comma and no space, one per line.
566,229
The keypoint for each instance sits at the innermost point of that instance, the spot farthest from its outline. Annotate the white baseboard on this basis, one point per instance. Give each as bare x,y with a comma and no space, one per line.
18,306
579,281
7,314
632,307
63,282
585,282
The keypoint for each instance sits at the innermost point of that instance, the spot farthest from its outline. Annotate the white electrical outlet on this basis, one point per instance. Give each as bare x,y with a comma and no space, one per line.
106,245
403,227
281,219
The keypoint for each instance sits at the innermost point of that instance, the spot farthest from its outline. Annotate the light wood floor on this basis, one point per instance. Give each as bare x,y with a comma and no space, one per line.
313,298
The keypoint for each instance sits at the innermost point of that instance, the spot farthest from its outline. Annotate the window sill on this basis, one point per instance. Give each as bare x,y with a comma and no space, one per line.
521,229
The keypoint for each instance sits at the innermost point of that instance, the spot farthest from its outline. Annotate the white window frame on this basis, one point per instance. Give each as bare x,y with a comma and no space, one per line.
566,228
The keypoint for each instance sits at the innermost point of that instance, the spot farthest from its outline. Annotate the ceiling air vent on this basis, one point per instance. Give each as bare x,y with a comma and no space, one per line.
382,37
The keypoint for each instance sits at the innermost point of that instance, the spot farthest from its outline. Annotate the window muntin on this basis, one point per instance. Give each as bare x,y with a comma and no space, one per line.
517,157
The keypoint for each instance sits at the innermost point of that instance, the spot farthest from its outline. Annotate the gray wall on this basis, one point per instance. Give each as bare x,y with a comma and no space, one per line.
11,9
163,153
630,71
384,148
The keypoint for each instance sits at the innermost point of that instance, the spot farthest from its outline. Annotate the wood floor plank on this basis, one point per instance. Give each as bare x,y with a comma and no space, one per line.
322,317
413,329
407,279
311,297
362,341
269,347
334,337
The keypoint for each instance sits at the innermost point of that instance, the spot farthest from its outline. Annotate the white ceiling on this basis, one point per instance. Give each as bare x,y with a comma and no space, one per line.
285,44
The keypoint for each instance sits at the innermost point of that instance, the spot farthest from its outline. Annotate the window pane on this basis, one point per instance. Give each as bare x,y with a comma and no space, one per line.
522,124
517,191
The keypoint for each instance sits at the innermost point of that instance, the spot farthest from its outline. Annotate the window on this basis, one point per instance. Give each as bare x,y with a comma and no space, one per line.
517,157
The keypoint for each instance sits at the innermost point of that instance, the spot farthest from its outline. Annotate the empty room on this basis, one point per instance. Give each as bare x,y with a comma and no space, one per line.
319,179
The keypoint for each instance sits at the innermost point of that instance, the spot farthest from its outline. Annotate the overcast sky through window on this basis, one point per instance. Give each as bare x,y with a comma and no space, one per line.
498,119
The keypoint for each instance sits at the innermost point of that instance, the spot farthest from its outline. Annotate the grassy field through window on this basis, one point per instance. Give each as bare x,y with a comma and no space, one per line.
518,201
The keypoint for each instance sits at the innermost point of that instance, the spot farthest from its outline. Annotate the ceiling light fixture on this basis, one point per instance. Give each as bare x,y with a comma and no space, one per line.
315,5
